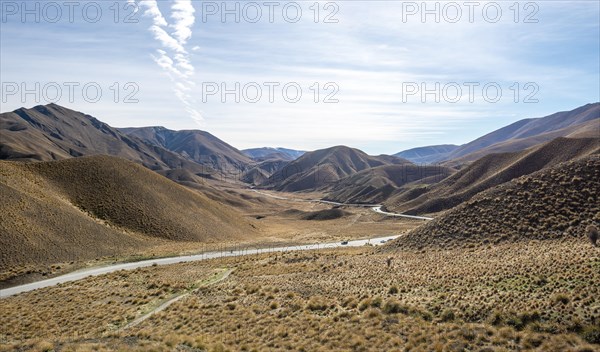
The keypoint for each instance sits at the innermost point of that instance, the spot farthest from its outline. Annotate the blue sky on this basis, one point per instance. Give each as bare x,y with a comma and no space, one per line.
368,54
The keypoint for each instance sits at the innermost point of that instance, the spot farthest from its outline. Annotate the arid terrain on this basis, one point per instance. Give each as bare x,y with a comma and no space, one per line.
299,176
534,295
508,262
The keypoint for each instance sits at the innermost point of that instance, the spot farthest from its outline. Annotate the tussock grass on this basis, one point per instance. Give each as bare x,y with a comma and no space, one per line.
529,295
555,203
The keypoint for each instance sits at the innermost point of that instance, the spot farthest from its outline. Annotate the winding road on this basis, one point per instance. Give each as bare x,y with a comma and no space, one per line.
244,251
81,274
375,207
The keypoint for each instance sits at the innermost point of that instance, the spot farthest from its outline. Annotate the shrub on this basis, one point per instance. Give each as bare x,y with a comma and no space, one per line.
376,302
448,315
392,306
591,334
364,304
561,298
44,346
316,304
592,233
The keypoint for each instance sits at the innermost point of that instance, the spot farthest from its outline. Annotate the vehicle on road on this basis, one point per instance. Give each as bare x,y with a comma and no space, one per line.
344,243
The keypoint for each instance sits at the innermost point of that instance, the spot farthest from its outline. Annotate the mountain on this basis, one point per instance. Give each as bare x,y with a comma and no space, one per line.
429,154
556,202
265,153
321,168
582,122
490,171
84,208
376,184
529,132
194,145
260,172
52,132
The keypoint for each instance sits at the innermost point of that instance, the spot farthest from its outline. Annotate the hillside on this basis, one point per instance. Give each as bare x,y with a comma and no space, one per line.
194,145
529,132
588,129
377,184
489,171
264,153
52,132
429,154
83,208
322,168
556,202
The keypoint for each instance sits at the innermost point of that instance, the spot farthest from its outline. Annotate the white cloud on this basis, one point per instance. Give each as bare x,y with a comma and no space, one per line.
176,61
166,40
183,14
153,12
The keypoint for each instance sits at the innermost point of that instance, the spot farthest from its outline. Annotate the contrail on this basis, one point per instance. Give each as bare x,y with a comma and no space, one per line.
173,57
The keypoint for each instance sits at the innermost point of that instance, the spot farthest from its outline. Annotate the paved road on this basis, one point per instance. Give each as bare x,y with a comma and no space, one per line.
376,207
78,275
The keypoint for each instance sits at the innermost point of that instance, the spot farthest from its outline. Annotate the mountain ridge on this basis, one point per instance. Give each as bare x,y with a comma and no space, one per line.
321,168
489,171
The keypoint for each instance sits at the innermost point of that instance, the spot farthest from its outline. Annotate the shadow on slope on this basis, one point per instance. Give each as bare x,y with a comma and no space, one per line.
553,203
489,171
88,207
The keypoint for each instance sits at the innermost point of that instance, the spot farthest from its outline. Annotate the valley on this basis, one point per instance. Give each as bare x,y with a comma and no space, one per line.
137,239
310,176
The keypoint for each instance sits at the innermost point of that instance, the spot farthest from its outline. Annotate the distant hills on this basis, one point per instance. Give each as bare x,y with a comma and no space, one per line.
375,185
581,122
403,182
528,132
267,153
52,132
194,145
321,168
428,155
489,171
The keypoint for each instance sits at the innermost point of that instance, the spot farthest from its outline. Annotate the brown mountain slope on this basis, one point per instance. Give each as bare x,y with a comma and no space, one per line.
194,145
429,154
259,172
322,168
527,132
264,153
556,202
588,129
376,184
82,208
52,132
489,171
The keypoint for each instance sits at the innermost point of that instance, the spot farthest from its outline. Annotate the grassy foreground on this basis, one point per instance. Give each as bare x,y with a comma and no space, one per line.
536,295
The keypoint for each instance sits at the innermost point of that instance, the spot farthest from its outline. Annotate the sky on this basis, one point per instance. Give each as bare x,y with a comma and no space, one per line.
381,76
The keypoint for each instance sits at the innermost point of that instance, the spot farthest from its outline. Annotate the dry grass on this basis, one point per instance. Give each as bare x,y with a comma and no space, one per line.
558,202
96,306
67,212
530,296
50,209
